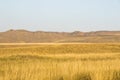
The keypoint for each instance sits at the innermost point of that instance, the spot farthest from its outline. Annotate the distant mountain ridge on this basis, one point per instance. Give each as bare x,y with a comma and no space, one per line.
24,36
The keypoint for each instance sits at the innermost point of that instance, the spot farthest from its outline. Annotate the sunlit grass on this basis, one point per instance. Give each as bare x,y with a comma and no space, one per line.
60,62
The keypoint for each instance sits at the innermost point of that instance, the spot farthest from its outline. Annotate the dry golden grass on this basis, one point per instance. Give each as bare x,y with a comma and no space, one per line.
60,61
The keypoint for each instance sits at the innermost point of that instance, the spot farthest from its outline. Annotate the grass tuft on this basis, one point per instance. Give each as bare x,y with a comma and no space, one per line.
82,76
116,75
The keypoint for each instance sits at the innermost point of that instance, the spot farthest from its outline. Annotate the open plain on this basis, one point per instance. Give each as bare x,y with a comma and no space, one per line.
60,61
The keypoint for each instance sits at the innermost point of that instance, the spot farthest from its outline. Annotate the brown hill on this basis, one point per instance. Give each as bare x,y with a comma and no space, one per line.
24,36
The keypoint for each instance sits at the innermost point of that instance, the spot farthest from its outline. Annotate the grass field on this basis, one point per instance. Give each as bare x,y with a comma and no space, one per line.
98,61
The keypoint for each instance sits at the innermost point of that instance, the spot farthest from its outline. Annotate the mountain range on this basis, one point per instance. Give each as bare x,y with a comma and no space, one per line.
24,36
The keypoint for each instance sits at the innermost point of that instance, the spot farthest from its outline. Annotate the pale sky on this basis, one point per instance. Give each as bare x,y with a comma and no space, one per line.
60,15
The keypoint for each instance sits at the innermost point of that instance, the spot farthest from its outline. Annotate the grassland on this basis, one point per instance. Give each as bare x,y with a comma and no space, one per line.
60,61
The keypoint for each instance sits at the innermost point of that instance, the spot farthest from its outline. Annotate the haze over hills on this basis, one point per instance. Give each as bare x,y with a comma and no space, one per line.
24,36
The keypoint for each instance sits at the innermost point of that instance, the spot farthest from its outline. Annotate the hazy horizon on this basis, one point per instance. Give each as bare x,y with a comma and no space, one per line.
58,31
60,16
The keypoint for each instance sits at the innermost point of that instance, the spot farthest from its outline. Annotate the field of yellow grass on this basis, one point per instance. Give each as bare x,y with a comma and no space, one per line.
90,61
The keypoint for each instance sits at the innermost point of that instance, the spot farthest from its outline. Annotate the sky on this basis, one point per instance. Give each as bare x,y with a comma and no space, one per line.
60,15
